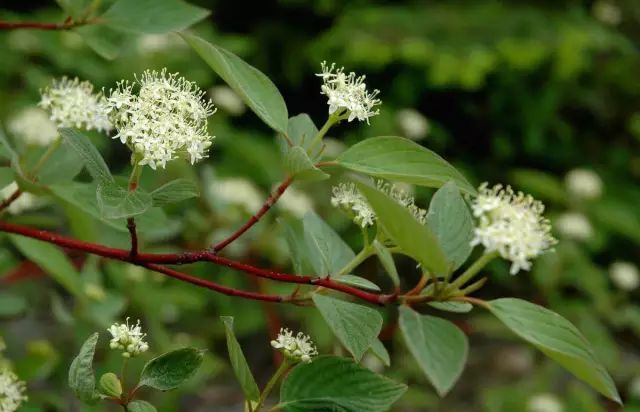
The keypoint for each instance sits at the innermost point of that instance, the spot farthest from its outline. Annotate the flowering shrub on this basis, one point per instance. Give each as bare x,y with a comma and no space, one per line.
163,117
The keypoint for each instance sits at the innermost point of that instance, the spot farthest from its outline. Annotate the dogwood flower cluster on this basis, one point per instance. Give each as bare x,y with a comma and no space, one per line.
349,198
11,391
511,224
165,120
128,338
72,103
33,126
298,348
348,92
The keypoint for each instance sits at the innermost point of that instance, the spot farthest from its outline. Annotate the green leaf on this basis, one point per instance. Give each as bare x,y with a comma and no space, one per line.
175,191
255,89
94,162
328,253
438,346
140,406
557,338
73,8
357,281
239,362
170,370
52,260
81,378
301,130
452,306
400,159
356,326
378,349
450,220
415,239
298,251
337,384
386,258
6,176
300,166
106,42
63,165
110,384
152,16
12,304
117,202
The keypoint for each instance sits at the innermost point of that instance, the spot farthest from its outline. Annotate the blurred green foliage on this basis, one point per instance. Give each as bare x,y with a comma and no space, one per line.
510,92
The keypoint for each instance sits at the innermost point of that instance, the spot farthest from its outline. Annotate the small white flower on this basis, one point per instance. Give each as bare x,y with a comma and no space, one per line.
574,226
228,100
295,202
413,124
298,348
349,198
348,92
33,126
584,183
238,192
544,402
11,391
25,202
166,119
512,225
607,12
72,103
625,275
128,338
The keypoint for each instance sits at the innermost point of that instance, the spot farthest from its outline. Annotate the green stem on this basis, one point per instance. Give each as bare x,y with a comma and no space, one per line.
272,382
46,155
134,179
357,260
471,271
333,119
123,373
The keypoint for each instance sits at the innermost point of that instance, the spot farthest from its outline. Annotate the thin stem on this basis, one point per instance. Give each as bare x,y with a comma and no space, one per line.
357,260
272,382
255,218
471,271
66,25
420,285
123,377
7,202
46,156
134,180
333,119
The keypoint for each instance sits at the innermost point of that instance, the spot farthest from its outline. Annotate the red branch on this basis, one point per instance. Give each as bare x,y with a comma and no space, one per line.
255,218
8,25
145,259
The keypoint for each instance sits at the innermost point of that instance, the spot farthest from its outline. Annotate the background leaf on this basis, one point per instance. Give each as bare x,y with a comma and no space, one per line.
152,16
239,362
337,384
438,346
140,406
170,370
400,159
356,326
255,89
557,338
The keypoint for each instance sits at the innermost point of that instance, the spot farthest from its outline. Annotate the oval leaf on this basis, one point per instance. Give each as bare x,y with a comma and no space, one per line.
337,384
239,362
450,220
140,406
116,202
378,349
81,378
255,89
327,252
300,166
439,347
175,191
386,258
400,159
152,16
357,281
356,326
455,307
301,130
170,370
557,338
414,238
92,158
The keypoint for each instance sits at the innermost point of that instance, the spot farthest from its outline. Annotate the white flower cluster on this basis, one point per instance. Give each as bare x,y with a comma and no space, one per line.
625,275
295,202
11,391
72,103
349,198
33,126
584,183
165,120
239,192
298,348
413,124
574,225
25,202
348,92
544,402
511,224
128,338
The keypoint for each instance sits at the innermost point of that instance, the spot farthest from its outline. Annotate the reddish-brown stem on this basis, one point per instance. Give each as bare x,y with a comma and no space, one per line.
191,257
7,202
131,225
255,218
67,24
